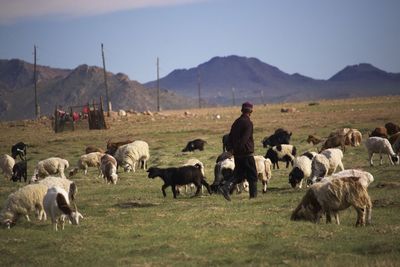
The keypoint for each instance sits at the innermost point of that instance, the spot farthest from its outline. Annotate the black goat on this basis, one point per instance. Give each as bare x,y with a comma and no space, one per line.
179,176
19,149
281,136
20,171
195,144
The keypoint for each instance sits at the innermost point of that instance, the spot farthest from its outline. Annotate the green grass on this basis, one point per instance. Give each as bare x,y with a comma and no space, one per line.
131,224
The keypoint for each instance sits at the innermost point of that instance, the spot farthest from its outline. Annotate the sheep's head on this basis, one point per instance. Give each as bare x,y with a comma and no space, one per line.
8,219
395,159
114,178
295,177
127,168
153,172
75,216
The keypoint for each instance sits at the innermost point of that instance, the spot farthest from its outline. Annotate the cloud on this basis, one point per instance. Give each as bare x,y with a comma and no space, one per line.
14,10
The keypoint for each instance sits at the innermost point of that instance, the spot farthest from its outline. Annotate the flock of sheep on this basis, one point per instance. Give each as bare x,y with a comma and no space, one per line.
50,193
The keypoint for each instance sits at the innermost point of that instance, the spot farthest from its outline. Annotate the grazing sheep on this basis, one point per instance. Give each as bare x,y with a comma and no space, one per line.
66,184
130,154
195,144
56,204
379,132
334,141
353,138
366,178
325,163
332,196
301,169
280,136
264,172
382,146
88,160
179,176
393,138
90,149
6,164
392,128
22,202
313,139
20,171
50,166
19,149
223,171
284,153
109,169
113,146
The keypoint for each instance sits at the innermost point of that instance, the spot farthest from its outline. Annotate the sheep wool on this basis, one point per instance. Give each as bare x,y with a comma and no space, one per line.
6,164
129,155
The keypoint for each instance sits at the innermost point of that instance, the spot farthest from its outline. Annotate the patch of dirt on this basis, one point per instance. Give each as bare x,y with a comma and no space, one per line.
136,204
389,185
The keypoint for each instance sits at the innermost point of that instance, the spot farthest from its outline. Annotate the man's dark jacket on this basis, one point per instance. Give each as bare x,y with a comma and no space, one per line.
241,137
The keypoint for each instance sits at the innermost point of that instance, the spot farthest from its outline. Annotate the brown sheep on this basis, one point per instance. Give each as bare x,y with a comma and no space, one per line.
392,128
313,139
335,141
90,149
394,138
379,132
332,196
113,146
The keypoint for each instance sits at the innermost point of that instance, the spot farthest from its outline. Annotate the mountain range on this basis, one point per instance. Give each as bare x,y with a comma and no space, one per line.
223,81
233,78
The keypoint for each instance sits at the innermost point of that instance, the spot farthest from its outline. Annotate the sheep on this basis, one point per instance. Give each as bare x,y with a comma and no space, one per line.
56,205
380,145
130,154
396,146
281,153
19,149
88,160
66,184
313,139
280,136
195,144
301,169
113,146
6,164
393,138
334,141
109,168
49,167
392,128
223,171
365,180
90,149
22,202
379,132
192,162
353,138
332,196
179,176
325,163
264,173
19,171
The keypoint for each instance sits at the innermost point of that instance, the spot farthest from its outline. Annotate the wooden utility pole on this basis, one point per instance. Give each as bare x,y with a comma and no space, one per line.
37,108
158,84
262,97
109,108
233,96
199,86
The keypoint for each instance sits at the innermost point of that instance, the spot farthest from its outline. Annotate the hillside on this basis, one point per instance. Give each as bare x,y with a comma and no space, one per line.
73,88
260,82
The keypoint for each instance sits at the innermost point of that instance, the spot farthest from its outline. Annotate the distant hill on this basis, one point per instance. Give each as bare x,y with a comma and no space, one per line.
259,82
73,87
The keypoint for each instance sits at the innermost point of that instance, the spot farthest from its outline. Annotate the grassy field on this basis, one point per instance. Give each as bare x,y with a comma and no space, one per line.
131,224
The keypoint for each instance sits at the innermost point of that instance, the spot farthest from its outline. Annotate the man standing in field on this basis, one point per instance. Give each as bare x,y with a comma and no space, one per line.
242,143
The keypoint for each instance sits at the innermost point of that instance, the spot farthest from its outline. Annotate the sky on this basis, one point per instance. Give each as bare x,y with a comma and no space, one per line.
316,38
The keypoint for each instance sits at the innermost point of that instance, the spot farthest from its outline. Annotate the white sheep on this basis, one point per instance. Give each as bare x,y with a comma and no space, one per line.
66,184
109,168
301,169
56,205
130,154
92,159
382,146
22,202
6,164
326,163
264,172
50,166
366,178
284,153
